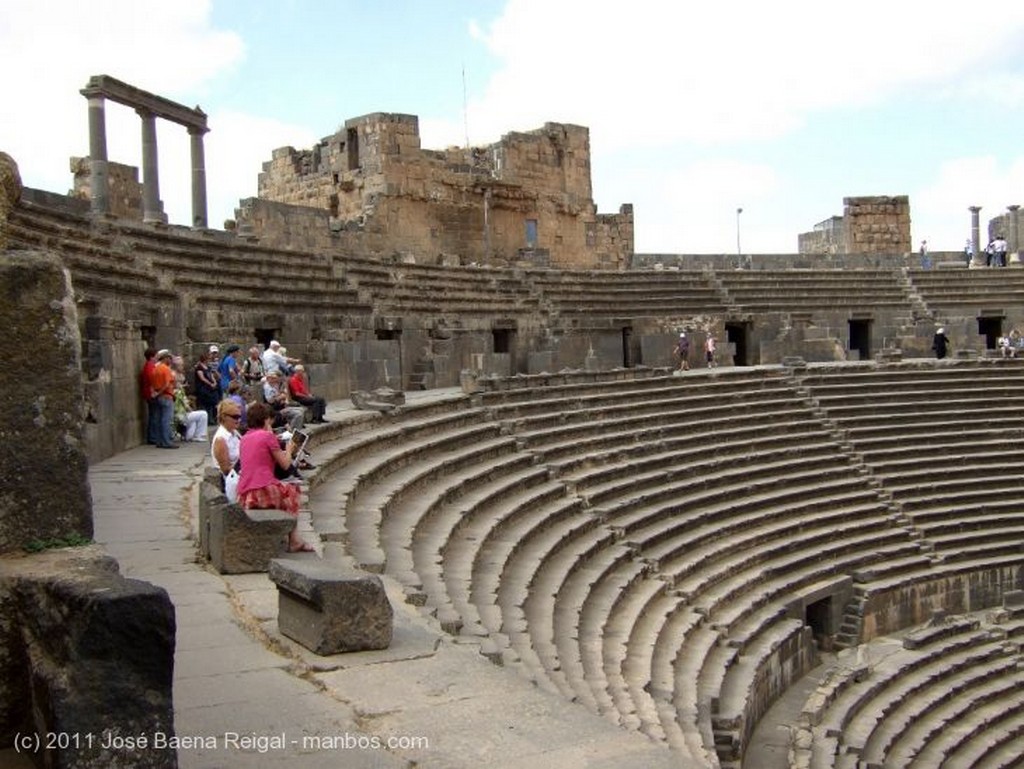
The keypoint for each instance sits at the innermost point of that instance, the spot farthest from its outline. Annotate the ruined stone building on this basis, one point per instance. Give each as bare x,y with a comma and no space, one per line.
525,200
874,224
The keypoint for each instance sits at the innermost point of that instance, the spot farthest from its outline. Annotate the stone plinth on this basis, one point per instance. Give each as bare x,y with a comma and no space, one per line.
86,652
330,611
42,456
238,541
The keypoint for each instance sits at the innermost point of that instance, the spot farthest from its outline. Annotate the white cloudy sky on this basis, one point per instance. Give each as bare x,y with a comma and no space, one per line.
695,109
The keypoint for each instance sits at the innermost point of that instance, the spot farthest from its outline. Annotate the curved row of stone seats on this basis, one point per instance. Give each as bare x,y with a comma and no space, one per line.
643,547
555,544
917,702
130,259
787,290
438,290
947,290
944,442
99,265
633,294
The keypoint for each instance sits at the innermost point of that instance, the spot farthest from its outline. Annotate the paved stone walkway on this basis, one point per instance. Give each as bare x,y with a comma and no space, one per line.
247,697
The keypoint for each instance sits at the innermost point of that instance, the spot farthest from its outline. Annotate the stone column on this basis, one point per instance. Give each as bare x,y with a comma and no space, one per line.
1013,236
152,210
98,181
198,177
976,260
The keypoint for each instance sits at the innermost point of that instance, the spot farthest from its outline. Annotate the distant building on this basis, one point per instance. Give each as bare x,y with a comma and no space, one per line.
876,224
526,199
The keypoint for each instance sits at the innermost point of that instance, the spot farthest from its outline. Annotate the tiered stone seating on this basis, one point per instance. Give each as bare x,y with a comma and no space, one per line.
947,690
645,547
810,290
943,442
438,290
100,264
215,273
628,294
947,291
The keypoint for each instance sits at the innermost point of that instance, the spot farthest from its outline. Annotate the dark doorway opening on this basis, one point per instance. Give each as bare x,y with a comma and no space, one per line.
265,335
502,340
387,334
860,338
628,360
738,335
991,328
818,616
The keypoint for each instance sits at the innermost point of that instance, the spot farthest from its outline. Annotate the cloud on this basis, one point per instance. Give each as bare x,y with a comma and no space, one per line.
943,203
657,72
50,48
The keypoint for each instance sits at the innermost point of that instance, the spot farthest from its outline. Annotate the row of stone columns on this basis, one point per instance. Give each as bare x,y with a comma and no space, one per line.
193,120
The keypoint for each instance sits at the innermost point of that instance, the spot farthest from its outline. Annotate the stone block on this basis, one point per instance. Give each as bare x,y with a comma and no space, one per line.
329,610
238,541
381,399
47,492
93,654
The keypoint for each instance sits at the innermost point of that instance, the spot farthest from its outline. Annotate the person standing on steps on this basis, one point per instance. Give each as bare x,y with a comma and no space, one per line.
682,351
940,343
709,350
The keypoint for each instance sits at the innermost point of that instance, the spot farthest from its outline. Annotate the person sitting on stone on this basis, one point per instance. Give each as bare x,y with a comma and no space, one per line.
190,422
298,385
239,394
258,488
275,393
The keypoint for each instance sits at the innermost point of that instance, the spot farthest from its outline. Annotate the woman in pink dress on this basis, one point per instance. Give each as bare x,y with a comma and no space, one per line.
258,488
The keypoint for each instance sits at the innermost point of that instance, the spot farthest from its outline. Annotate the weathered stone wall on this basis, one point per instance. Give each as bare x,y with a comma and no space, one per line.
125,188
10,192
893,610
877,224
41,400
385,195
826,238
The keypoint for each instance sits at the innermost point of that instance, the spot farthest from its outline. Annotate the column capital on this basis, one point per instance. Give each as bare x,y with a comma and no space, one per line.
1014,207
974,209
195,130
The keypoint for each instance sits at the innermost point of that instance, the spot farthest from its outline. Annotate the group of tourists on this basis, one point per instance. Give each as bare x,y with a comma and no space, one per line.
259,405
682,351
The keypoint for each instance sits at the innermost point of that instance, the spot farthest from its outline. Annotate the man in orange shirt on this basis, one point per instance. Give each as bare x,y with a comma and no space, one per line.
162,384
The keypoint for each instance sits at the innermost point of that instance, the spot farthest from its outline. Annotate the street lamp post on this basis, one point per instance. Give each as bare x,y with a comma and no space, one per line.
739,251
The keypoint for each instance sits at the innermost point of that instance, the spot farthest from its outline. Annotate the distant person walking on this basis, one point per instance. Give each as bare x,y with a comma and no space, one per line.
709,350
999,250
940,344
926,260
969,252
682,351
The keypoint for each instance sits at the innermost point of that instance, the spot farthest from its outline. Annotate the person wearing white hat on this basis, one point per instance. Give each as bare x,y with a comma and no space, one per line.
940,343
682,351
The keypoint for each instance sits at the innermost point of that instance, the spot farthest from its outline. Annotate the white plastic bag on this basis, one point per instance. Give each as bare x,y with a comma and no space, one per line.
231,486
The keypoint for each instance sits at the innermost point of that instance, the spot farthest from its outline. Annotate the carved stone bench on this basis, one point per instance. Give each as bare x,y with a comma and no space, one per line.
238,541
329,610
